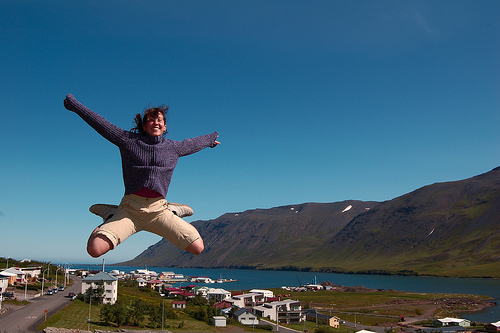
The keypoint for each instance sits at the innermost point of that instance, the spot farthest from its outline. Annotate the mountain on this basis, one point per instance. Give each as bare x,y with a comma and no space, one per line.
450,229
444,229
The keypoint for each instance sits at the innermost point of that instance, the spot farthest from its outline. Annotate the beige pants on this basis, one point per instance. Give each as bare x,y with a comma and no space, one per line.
137,213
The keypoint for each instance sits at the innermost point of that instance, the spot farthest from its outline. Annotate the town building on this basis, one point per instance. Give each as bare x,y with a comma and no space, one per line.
224,306
246,317
144,273
109,282
286,311
14,274
179,304
492,327
247,300
4,283
266,293
153,283
451,322
320,318
448,329
33,272
218,294
141,282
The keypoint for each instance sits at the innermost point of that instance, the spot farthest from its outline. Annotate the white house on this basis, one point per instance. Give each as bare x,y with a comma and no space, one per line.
141,282
34,271
167,274
266,293
218,294
247,300
20,276
202,291
246,317
109,282
287,311
452,322
4,283
144,273
11,277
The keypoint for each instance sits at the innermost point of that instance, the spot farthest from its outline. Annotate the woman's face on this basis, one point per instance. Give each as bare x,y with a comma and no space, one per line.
155,126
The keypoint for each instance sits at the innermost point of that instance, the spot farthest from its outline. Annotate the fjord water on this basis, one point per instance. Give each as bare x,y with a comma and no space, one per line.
254,279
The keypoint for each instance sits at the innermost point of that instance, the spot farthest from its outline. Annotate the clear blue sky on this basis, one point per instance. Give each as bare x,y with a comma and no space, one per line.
314,101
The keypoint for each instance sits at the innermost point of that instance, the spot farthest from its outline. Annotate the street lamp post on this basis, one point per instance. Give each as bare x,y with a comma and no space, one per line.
66,275
43,279
58,268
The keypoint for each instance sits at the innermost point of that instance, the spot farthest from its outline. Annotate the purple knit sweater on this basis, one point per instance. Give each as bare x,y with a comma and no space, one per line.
147,161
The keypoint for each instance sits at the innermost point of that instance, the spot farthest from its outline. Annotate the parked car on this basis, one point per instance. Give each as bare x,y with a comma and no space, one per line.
8,294
50,292
70,295
61,288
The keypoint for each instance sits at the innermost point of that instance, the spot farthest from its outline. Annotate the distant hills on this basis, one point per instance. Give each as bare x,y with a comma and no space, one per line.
444,229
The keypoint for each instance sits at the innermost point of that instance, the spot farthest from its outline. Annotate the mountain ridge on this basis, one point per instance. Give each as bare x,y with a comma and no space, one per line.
442,229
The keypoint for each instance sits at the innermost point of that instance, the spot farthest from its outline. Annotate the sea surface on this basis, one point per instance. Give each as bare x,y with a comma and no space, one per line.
253,279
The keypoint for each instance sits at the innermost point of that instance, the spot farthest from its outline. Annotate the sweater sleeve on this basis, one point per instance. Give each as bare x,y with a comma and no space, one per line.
193,145
109,131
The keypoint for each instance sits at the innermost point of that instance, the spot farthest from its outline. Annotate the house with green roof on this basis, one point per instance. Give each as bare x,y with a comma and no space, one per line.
109,282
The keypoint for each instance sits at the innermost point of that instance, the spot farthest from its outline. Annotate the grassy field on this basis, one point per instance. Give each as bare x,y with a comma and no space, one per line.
385,306
76,314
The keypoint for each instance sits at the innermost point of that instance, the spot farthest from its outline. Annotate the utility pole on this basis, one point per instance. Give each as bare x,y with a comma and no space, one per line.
163,315
90,304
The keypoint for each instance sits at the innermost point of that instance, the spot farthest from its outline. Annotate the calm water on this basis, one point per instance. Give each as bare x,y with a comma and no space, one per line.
250,279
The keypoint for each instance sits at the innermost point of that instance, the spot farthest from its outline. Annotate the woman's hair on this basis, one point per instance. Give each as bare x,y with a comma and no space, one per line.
139,119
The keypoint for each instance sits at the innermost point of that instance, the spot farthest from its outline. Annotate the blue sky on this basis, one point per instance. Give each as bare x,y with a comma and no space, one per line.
314,101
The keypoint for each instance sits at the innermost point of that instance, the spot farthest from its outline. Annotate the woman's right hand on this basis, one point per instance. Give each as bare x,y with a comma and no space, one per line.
67,103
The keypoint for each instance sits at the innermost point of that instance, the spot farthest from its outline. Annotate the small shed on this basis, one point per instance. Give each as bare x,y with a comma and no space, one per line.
219,321
179,304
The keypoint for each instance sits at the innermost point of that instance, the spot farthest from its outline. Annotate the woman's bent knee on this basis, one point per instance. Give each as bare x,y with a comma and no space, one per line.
196,247
98,245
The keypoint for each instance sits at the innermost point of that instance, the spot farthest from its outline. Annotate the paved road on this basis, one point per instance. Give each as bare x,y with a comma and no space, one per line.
280,328
25,319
